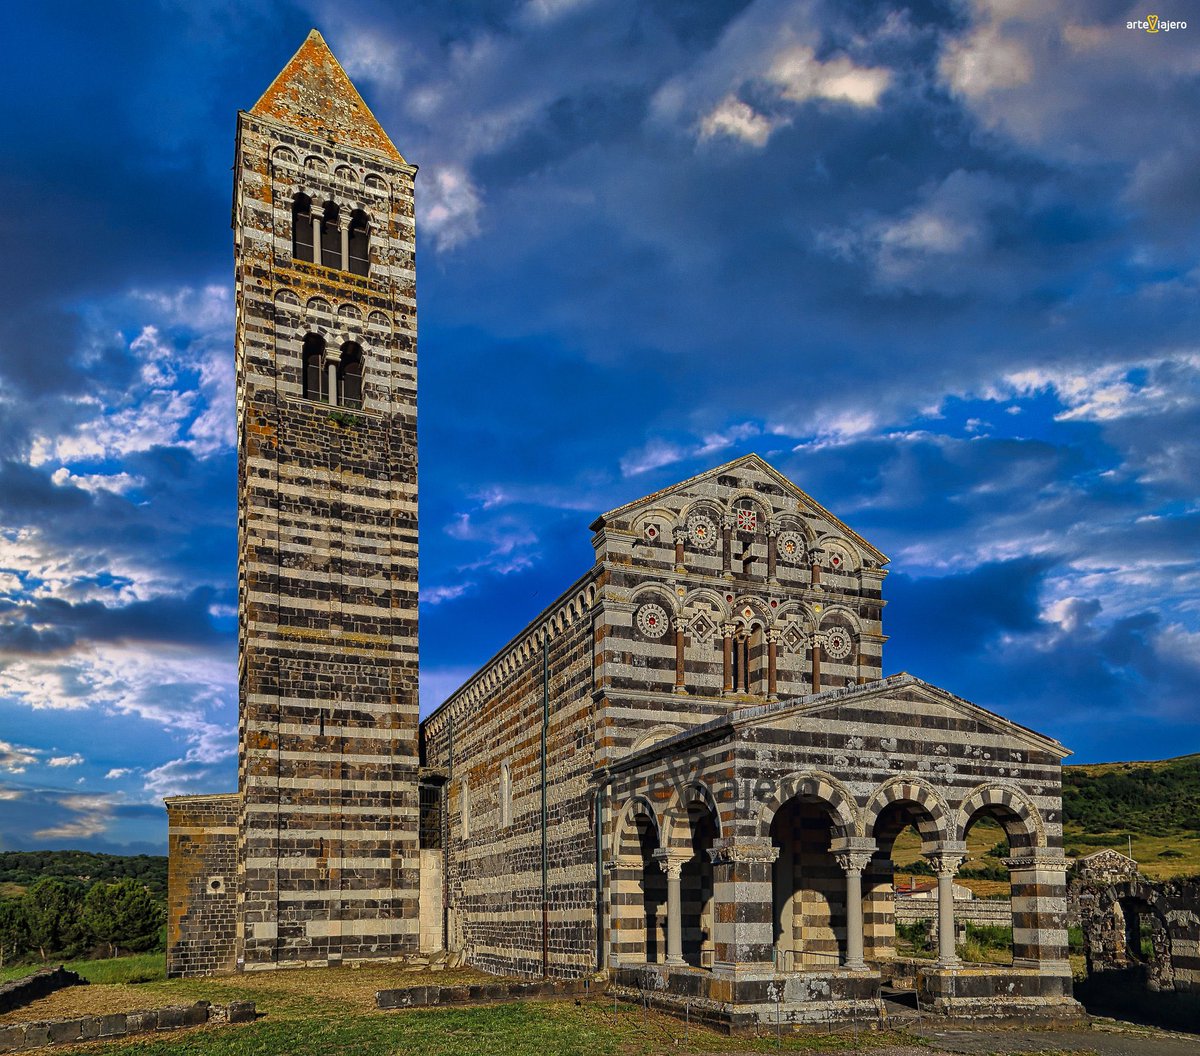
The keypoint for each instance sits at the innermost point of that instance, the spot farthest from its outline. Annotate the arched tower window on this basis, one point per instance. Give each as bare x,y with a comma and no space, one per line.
331,236
302,228
313,356
359,243
349,376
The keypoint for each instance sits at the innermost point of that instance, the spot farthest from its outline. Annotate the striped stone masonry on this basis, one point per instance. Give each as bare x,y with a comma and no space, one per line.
327,857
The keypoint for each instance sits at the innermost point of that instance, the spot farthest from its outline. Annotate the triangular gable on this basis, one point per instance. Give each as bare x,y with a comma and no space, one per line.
745,461
819,703
312,93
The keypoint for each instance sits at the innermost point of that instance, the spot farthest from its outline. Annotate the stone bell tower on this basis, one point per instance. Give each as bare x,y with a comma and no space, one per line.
326,349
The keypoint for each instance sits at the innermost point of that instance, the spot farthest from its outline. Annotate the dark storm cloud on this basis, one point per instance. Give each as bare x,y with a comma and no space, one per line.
954,298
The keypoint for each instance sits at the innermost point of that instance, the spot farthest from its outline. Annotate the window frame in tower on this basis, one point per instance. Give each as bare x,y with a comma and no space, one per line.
350,376
302,228
312,350
331,236
359,244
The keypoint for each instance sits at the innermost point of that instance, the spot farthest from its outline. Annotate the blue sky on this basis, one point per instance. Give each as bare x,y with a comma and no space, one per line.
936,261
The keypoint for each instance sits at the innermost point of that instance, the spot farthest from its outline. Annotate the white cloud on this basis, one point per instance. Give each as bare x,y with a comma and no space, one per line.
945,243
446,592
14,759
118,772
801,77
450,208
74,759
93,815
731,117
116,483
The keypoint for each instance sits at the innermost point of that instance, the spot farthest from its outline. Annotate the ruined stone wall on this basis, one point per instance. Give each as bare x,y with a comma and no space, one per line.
1112,914
202,884
488,740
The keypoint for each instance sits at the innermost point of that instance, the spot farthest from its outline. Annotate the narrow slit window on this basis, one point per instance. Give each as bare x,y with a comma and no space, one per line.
350,376
302,228
359,243
331,237
315,384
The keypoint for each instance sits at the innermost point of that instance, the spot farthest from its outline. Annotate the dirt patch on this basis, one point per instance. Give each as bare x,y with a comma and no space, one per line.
288,994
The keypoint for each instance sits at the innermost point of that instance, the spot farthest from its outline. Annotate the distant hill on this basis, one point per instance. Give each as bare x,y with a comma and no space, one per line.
1151,809
1154,798
19,869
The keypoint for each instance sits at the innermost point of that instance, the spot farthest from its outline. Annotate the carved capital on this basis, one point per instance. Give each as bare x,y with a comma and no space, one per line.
1049,858
853,861
671,862
947,857
679,533
728,851
729,630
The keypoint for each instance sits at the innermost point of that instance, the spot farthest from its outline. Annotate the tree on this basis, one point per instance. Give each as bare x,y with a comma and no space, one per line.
123,913
14,929
51,909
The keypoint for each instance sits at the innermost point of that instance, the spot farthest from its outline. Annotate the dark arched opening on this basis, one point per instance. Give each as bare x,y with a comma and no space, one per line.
302,228
349,375
359,243
313,357
331,237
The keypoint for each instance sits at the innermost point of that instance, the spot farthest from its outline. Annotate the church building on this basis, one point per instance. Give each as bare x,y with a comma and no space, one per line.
687,773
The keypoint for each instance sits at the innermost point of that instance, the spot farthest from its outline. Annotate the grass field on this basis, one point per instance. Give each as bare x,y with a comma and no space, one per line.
332,1011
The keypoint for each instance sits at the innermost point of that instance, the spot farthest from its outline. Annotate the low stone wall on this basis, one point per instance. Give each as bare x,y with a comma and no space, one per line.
998,992
794,999
985,911
18,1037
476,993
20,992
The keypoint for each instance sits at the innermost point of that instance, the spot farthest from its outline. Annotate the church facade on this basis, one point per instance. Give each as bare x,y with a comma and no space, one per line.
688,772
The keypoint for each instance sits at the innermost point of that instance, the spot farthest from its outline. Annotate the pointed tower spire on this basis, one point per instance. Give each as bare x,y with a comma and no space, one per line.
313,93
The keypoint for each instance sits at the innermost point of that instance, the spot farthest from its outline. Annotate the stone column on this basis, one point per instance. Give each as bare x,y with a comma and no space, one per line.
316,226
816,663
332,359
680,672
853,854
345,245
814,573
945,861
772,662
1039,908
680,536
727,548
727,652
771,553
742,905
672,865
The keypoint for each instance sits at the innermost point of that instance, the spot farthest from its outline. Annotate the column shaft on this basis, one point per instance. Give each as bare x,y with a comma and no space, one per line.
816,666
854,920
674,916
680,674
947,958
727,651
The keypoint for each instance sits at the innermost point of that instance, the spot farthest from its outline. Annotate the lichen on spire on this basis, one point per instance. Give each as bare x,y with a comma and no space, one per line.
313,94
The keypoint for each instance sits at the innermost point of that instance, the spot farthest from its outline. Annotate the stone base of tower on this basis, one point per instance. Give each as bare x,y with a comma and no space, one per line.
210,933
202,884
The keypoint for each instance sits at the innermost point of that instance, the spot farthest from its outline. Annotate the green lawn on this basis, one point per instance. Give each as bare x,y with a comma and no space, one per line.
531,1029
137,968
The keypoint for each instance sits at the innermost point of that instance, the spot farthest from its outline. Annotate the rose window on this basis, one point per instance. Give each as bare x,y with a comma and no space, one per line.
702,532
790,546
837,644
652,620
